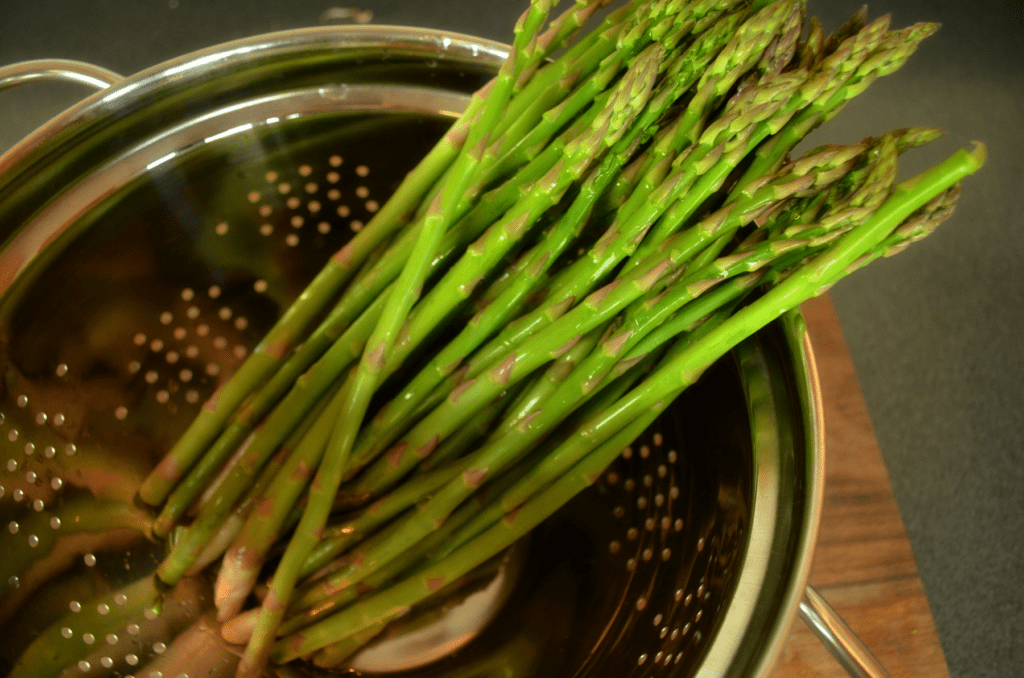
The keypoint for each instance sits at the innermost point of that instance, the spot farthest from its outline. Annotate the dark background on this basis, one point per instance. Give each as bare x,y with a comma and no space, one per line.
937,334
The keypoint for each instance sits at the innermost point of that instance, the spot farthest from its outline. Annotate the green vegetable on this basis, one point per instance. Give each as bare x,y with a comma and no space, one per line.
613,213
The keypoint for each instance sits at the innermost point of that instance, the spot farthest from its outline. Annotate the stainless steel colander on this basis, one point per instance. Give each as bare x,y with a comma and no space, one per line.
152,233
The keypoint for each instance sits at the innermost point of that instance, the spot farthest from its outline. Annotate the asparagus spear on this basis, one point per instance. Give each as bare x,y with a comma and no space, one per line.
620,420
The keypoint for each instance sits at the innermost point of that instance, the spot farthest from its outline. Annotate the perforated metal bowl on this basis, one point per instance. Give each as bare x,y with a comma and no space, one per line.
153,232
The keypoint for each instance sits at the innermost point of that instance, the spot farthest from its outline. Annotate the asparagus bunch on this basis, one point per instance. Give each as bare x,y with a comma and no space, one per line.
603,225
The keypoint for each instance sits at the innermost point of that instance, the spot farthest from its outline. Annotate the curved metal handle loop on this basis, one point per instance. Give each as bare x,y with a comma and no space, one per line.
833,632
63,70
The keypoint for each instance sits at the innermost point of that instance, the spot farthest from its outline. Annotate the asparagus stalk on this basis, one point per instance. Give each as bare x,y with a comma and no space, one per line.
365,377
541,258
618,422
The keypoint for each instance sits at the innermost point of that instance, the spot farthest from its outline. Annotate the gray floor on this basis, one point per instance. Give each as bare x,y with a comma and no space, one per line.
936,334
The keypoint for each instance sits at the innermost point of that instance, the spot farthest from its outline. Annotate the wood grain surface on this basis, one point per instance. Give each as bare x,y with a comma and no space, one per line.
863,565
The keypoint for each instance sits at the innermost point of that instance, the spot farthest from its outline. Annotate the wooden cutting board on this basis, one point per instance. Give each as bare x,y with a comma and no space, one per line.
863,565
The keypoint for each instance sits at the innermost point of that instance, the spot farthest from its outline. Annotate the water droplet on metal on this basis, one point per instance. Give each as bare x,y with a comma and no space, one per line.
88,638
62,370
40,418
84,666
12,435
13,527
111,639
66,632
641,659
133,629
12,465
103,608
90,559
33,541
107,662
75,606
22,400
70,449
38,505
55,523
159,648
131,660
14,582
50,452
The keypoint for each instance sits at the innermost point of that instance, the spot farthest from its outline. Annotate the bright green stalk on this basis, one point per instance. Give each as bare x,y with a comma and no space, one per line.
675,375
388,471
323,596
223,499
858,61
540,260
337,539
491,458
302,392
365,377
272,349
840,76
731,131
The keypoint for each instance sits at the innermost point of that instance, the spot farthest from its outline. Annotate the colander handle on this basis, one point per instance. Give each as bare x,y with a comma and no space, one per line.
64,70
833,632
